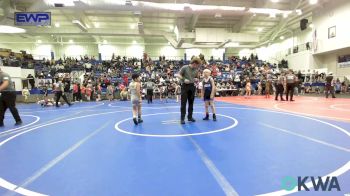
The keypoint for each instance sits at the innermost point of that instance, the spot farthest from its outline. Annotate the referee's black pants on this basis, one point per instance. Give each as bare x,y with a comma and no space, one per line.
187,95
329,89
60,94
8,100
290,89
279,91
149,95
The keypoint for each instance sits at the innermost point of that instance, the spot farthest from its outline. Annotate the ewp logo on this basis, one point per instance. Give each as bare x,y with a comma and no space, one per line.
33,18
290,183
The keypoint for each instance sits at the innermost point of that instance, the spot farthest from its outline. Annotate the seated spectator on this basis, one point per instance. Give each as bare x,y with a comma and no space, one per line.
25,94
259,88
308,89
110,92
343,87
124,96
31,81
338,86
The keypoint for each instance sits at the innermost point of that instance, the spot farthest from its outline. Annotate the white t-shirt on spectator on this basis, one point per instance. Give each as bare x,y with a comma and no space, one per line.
87,65
200,86
237,79
161,80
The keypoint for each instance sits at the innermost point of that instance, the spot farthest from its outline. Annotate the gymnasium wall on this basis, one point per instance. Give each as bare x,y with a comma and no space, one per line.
333,14
279,50
43,50
75,50
17,74
17,47
330,61
301,60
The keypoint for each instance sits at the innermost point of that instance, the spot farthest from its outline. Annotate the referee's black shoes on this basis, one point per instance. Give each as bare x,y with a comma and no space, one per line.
191,120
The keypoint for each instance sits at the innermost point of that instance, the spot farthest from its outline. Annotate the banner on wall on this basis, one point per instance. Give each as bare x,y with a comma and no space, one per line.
344,65
33,18
43,82
344,58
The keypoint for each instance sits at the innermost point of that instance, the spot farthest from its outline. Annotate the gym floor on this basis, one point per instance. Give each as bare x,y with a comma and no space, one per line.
95,149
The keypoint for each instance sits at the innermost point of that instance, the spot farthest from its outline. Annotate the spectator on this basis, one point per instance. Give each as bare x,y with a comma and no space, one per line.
25,94
75,92
330,85
110,92
31,81
124,95
338,86
98,90
150,88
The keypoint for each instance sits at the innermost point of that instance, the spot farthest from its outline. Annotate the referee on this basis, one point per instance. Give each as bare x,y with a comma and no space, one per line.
291,79
279,87
59,89
150,88
187,75
329,85
8,98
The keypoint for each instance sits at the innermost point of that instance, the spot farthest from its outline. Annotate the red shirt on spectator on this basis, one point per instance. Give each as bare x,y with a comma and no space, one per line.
126,80
88,91
214,71
75,88
83,90
121,86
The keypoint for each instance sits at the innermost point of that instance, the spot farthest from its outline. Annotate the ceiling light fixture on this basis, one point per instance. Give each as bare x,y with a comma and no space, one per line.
313,2
80,25
137,13
218,15
61,3
10,29
232,44
299,12
268,11
128,2
57,24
